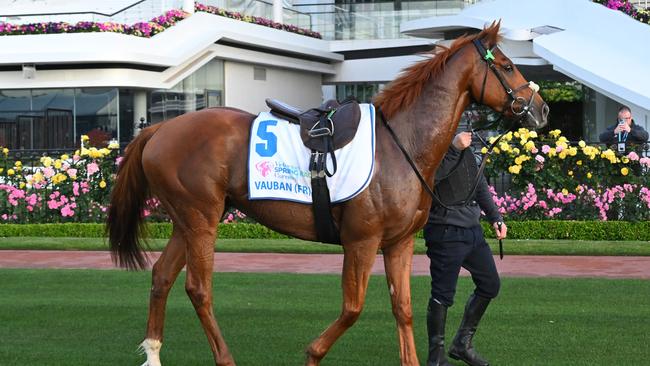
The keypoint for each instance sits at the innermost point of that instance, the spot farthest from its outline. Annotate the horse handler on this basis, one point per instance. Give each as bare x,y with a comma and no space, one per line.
454,239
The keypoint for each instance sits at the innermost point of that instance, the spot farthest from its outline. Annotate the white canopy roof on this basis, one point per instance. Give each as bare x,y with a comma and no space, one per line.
599,47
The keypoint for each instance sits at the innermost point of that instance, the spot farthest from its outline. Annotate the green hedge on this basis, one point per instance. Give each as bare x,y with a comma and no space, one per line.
574,230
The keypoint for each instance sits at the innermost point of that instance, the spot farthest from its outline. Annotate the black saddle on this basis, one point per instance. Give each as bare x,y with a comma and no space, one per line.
338,121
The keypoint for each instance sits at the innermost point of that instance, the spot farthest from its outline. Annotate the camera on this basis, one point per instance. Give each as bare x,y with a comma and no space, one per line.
621,147
621,122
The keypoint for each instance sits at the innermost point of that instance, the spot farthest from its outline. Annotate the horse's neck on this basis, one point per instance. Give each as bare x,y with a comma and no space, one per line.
429,125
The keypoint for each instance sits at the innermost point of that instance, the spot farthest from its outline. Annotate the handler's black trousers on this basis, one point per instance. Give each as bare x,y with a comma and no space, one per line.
450,247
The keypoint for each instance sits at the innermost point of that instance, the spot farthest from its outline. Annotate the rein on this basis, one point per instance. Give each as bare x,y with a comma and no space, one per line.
429,190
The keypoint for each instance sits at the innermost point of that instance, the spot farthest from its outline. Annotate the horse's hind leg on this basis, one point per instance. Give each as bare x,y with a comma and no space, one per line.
398,259
357,265
200,234
163,275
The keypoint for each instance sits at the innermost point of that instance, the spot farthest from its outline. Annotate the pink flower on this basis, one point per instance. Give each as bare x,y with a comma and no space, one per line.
645,161
633,156
67,211
48,172
92,168
546,149
540,159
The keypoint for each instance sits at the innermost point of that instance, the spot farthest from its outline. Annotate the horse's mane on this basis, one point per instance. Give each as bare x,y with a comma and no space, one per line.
403,91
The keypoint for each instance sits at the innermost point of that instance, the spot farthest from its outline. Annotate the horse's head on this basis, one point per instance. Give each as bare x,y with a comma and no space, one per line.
497,83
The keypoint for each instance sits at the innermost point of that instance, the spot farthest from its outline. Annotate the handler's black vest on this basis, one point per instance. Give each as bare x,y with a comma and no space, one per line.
455,188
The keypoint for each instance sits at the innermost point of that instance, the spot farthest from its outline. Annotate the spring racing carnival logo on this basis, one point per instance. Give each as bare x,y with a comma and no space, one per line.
264,167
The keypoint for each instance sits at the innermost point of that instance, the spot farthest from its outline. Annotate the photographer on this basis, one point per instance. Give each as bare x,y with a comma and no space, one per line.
625,131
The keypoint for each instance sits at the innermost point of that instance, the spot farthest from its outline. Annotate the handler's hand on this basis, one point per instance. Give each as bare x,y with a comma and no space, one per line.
501,234
462,140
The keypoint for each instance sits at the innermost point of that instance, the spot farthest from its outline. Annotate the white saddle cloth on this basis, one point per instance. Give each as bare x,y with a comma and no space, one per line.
278,161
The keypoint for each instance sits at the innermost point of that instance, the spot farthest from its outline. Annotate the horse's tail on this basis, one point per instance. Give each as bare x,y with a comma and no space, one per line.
125,222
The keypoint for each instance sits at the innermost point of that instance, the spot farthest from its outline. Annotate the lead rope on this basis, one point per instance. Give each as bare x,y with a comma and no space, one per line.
419,175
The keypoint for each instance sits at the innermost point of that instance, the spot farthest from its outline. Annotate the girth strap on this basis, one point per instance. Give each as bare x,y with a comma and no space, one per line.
326,230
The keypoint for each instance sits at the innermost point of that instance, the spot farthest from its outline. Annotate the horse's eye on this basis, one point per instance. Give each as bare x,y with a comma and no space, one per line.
507,67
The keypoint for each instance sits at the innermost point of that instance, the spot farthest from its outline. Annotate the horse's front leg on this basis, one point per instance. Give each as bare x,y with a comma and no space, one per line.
358,259
398,259
163,275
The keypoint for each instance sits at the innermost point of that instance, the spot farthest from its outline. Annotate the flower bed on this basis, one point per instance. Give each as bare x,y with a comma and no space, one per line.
552,179
69,188
143,29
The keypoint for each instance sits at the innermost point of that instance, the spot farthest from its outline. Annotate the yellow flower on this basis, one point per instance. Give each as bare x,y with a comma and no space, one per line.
514,169
11,172
105,151
84,138
113,145
496,150
484,150
18,164
1,170
565,191
58,178
589,175
58,164
37,177
504,146
582,144
562,154
579,162
516,151
529,146
555,133
65,157
625,160
5,151
625,171
532,134
102,184
94,153
573,151
22,185
46,161
521,158
508,136
571,173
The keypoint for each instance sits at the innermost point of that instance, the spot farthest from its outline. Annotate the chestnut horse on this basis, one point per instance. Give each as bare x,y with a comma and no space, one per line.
196,165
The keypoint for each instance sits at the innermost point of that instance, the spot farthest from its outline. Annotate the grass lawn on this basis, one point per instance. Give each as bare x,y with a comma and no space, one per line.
512,247
93,317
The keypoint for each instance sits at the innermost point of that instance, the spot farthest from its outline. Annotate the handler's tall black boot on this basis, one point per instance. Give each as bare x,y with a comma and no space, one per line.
461,347
436,318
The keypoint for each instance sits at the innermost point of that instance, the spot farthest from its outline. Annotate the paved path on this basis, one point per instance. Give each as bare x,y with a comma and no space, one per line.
513,266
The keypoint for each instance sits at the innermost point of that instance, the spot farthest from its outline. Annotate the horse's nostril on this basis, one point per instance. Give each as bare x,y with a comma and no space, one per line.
545,111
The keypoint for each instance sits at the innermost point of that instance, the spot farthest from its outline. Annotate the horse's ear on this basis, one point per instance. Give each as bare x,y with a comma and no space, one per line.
490,34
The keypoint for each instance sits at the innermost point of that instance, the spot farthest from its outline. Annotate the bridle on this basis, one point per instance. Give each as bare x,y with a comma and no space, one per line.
519,106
